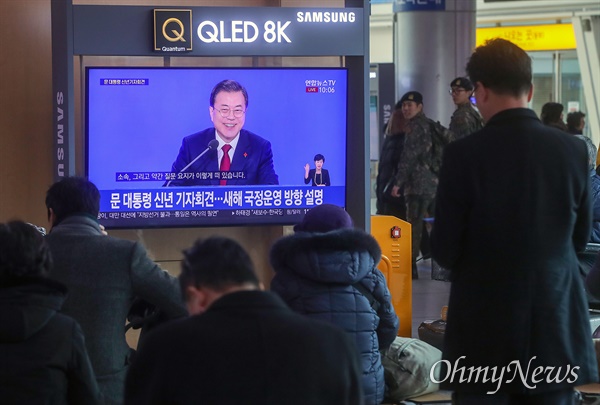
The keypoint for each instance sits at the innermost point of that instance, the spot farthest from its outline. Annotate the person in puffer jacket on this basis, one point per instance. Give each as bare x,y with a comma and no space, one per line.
316,273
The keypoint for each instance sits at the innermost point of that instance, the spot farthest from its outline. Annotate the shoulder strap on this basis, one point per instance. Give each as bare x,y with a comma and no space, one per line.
368,295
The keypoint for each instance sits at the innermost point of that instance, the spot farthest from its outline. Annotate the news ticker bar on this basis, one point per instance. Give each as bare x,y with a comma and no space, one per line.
284,216
218,198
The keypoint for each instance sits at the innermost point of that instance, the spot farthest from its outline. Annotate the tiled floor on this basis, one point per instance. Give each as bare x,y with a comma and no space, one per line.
429,296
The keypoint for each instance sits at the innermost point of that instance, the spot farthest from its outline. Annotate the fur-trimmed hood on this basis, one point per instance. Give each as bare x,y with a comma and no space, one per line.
341,256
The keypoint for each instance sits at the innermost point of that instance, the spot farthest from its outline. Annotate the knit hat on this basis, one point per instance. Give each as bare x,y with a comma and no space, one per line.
412,96
324,218
463,83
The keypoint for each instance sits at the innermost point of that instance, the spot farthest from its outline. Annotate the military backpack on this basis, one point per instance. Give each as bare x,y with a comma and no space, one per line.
440,137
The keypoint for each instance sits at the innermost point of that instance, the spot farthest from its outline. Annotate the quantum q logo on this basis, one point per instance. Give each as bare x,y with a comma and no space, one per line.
172,30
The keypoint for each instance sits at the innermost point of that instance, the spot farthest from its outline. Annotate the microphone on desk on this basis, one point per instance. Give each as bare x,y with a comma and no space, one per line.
212,145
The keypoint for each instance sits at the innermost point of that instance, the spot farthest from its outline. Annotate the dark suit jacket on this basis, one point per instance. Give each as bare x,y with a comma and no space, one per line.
104,274
248,348
324,179
513,207
253,157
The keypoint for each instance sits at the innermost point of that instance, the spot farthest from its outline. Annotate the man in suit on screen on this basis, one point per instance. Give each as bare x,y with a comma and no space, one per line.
232,155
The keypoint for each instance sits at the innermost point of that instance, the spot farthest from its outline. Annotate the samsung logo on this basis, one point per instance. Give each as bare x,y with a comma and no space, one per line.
326,16
60,139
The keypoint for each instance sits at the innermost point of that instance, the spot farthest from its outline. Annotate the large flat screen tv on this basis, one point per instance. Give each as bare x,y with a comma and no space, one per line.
145,127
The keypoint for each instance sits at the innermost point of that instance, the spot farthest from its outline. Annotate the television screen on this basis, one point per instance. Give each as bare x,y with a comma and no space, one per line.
154,144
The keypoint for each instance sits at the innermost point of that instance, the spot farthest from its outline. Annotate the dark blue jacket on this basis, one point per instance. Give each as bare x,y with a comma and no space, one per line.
595,183
315,273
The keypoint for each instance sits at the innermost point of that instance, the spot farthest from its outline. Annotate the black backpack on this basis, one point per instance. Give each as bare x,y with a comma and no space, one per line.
440,137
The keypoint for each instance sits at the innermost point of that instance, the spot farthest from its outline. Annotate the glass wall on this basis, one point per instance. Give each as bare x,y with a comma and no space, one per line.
557,77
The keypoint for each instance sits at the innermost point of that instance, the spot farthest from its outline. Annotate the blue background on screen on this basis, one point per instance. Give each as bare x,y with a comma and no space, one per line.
133,128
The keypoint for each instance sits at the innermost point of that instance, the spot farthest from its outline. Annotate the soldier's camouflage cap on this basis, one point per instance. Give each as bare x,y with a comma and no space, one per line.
462,82
412,96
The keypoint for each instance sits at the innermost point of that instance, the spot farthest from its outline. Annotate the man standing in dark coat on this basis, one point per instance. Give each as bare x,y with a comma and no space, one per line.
513,207
241,345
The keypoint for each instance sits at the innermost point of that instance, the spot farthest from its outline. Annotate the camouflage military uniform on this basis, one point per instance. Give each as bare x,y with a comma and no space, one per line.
414,169
465,121
414,174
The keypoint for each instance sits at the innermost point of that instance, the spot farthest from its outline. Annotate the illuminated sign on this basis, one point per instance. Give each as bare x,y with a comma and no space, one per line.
173,30
547,37
218,31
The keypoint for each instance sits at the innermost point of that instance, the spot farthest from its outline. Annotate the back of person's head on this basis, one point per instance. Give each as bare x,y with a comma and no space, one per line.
217,263
72,195
324,218
574,120
397,122
228,86
23,252
551,112
501,66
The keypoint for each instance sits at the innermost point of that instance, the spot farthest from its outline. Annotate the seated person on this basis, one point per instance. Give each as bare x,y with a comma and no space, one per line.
240,345
592,283
104,274
588,256
318,175
320,272
44,360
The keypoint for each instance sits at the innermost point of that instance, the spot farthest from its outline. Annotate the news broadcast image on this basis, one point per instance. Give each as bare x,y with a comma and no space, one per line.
136,119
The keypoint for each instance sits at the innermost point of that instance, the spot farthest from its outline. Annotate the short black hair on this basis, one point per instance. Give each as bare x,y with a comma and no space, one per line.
73,195
23,252
574,119
216,263
551,112
501,66
318,156
228,86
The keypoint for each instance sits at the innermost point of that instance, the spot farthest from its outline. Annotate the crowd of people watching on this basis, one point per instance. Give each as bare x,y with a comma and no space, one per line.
65,299
317,336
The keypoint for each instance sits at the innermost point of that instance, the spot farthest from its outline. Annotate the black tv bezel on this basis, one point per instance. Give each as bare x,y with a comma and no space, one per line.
211,224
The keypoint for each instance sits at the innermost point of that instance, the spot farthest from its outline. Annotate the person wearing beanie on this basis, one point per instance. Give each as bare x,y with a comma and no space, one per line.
320,272
465,119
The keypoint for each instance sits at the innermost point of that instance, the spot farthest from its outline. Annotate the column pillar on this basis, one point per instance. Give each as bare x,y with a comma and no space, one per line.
433,40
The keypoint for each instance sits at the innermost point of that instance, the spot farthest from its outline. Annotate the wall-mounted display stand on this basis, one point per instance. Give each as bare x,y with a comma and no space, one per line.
271,40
